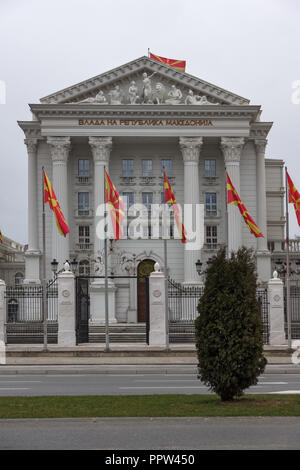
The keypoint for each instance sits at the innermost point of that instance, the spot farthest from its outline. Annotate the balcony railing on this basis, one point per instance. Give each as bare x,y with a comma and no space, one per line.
84,246
83,179
147,180
128,180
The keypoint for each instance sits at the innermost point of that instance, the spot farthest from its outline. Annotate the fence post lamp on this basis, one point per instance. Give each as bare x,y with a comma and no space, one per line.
74,265
54,265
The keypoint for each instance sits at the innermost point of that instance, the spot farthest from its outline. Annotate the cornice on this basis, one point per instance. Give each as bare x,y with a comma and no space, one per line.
31,129
137,66
143,111
260,130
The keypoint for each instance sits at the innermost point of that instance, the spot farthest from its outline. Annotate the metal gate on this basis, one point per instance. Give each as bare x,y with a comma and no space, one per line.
295,312
83,305
82,310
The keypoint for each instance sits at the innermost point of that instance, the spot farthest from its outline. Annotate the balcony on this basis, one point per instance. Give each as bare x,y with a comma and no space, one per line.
83,213
83,180
128,180
84,246
147,180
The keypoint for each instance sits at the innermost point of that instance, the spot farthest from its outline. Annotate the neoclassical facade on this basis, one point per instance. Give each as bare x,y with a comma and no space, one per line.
134,121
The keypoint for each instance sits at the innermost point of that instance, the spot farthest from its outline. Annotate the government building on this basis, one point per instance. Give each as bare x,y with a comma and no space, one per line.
135,121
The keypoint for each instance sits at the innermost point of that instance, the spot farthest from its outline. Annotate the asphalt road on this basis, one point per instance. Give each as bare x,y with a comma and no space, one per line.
137,384
151,433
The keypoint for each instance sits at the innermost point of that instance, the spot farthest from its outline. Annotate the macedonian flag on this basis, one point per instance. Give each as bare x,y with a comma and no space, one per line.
116,206
294,197
233,198
50,198
170,199
176,64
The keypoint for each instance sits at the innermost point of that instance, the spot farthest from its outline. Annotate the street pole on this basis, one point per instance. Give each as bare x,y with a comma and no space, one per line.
166,274
105,271
288,291
44,282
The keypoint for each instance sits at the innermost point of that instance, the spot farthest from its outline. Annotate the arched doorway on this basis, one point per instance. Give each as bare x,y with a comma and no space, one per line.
145,268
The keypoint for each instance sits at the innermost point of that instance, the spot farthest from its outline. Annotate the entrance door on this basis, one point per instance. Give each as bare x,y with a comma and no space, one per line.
82,310
145,268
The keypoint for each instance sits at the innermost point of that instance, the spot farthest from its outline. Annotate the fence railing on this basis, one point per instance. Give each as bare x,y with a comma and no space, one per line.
295,311
183,302
24,303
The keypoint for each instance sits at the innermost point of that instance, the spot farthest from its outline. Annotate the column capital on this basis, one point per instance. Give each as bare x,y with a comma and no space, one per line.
31,144
60,147
260,145
190,148
232,148
101,148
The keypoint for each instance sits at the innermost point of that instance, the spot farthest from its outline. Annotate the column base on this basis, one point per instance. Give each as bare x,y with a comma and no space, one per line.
32,267
131,315
263,264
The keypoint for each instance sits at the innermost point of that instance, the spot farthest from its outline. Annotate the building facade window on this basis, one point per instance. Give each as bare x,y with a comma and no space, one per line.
211,236
211,203
84,237
147,200
166,165
84,267
210,168
127,167
146,168
19,278
83,167
83,203
128,199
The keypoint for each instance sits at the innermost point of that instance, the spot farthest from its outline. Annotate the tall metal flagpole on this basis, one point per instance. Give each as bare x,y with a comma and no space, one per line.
44,282
166,278
105,272
288,291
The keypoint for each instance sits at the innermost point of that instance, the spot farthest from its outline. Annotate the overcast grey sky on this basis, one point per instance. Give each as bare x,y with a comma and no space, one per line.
249,47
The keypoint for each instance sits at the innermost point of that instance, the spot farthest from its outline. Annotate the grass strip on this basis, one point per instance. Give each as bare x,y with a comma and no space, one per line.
147,406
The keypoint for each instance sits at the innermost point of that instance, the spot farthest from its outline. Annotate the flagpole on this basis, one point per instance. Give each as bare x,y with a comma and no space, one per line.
44,282
105,272
288,291
226,215
148,52
166,278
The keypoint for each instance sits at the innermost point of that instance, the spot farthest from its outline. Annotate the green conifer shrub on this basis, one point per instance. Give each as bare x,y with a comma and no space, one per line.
229,329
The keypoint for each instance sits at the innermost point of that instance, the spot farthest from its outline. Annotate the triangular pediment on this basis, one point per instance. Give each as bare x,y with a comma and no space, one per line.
145,81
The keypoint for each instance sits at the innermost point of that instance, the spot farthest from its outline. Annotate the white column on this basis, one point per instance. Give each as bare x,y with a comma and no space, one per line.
32,255
66,308
101,148
262,254
232,149
190,148
60,147
276,300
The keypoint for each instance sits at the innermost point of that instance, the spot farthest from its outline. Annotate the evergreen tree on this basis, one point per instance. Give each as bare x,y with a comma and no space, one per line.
229,328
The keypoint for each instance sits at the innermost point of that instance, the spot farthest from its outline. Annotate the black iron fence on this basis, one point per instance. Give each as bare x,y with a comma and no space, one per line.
183,302
295,312
24,313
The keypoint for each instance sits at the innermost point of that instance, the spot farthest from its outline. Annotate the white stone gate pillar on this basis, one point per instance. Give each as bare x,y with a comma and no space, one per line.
60,147
66,308
276,300
32,255
262,254
158,326
190,148
2,313
232,149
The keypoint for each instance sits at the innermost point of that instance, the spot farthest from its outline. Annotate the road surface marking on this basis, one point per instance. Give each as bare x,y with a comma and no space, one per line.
286,392
14,389
128,388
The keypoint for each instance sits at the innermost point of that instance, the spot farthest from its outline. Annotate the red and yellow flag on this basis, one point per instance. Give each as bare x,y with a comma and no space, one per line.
116,206
50,198
233,198
176,64
294,197
170,199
